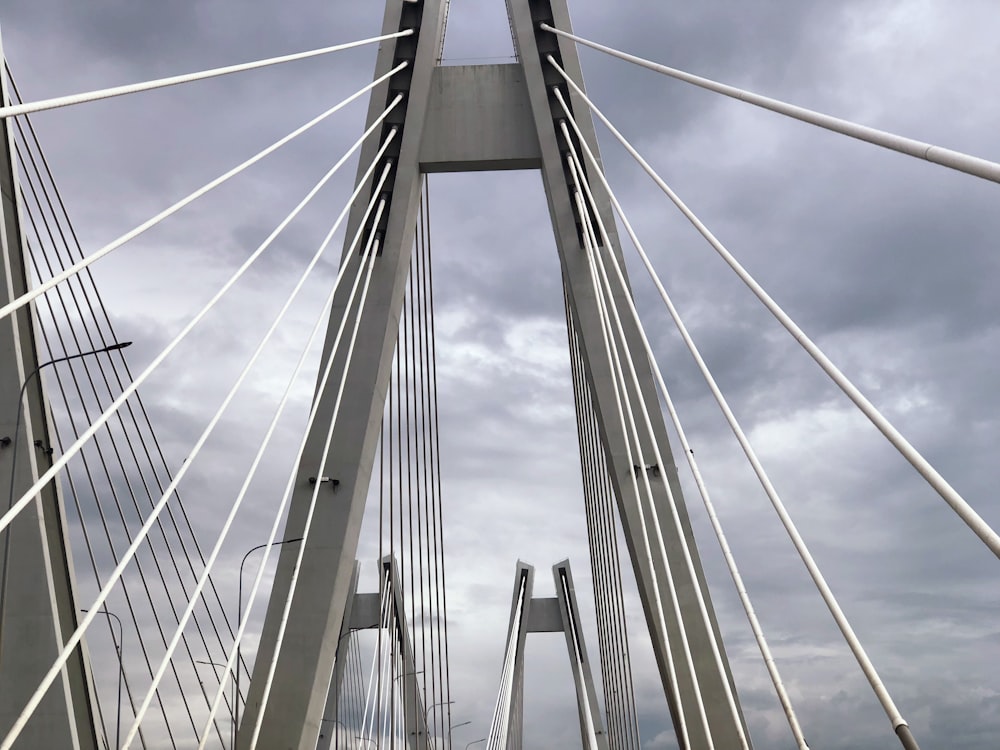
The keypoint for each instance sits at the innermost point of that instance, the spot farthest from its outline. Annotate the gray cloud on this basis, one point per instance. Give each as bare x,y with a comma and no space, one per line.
889,263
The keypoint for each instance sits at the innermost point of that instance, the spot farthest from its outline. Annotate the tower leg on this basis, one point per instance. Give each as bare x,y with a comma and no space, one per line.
292,716
591,726
533,46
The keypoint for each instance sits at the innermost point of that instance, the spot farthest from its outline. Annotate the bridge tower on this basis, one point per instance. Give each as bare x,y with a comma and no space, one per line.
473,118
557,614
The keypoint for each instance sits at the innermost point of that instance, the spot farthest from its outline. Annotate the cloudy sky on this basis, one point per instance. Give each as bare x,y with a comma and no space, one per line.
888,262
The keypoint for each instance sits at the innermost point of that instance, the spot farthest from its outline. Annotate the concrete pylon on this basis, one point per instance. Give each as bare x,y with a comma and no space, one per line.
469,118
558,614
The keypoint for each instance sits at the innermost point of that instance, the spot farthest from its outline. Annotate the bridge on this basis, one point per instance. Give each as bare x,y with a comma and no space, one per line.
263,497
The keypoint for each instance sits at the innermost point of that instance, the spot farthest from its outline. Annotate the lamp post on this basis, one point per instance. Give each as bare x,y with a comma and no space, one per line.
13,459
231,717
121,668
239,617
20,400
435,705
476,742
427,711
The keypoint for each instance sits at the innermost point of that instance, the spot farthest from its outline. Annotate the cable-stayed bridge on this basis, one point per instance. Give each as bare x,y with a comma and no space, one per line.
373,449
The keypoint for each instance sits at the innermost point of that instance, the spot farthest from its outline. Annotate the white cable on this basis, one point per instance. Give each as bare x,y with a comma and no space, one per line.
505,674
383,625
647,548
371,253
28,496
321,388
133,233
384,694
400,718
577,170
845,627
511,672
132,88
498,711
385,681
274,421
944,157
67,651
503,703
755,625
950,495
637,466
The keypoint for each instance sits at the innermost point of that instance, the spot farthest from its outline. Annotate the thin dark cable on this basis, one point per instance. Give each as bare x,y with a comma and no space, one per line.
96,443
100,306
435,515
437,458
94,390
605,532
393,380
53,425
598,539
430,508
619,676
420,415
381,526
399,462
597,554
408,364
111,485
360,679
611,532
358,684
57,438
127,441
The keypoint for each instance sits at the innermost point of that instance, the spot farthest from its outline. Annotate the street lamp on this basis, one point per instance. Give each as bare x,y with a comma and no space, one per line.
464,723
13,459
121,668
435,705
239,618
231,717
20,400
427,711
476,742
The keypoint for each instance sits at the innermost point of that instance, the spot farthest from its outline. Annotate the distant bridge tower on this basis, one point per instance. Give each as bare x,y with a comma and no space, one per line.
558,614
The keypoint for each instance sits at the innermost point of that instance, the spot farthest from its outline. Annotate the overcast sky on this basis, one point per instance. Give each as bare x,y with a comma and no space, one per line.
890,263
